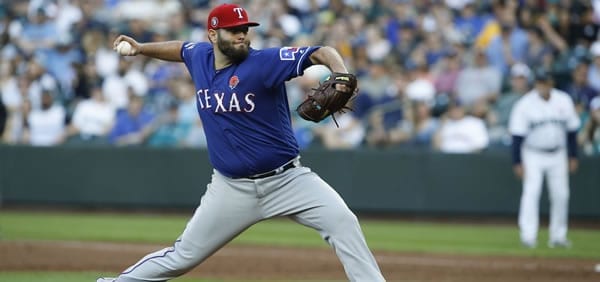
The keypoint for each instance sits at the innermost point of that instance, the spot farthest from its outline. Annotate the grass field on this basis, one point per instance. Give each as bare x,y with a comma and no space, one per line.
401,236
382,235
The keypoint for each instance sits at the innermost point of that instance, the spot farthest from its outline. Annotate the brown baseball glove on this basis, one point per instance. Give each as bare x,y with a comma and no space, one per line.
326,100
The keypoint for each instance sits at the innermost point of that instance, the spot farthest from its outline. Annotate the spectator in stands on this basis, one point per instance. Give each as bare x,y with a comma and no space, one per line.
478,81
460,133
116,87
468,21
39,32
165,81
136,27
407,40
146,15
174,127
35,80
11,94
87,77
99,49
349,134
446,73
424,126
17,124
520,79
538,47
184,92
589,136
132,126
507,48
579,89
580,27
381,133
169,132
388,123
92,121
376,82
593,75
16,98
377,46
61,63
46,125
68,15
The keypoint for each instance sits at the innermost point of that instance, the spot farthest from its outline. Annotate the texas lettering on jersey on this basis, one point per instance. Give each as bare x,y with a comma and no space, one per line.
225,103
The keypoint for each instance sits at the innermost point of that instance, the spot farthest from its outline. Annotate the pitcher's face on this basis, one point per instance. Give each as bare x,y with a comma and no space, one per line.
233,43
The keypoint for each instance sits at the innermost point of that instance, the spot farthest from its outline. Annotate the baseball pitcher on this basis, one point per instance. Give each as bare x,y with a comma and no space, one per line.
242,101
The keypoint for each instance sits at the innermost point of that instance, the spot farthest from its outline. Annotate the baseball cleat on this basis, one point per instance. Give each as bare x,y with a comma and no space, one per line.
102,279
560,244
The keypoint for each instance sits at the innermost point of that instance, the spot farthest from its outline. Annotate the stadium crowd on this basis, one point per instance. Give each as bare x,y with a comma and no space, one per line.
440,75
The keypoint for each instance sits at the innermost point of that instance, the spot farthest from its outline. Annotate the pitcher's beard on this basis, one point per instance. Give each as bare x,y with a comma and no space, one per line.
236,55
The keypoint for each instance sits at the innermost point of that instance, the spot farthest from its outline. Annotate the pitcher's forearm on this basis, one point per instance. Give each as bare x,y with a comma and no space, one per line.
329,57
168,51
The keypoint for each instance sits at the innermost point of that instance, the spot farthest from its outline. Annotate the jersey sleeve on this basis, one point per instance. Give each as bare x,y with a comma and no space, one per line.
517,124
189,50
283,64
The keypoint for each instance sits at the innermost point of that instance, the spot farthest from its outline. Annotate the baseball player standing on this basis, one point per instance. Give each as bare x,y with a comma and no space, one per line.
543,124
241,99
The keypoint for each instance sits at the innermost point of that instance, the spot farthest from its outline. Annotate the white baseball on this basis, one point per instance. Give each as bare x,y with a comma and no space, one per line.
597,267
124,48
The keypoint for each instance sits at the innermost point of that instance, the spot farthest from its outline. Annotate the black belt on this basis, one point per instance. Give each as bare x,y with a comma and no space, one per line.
278,170
546,150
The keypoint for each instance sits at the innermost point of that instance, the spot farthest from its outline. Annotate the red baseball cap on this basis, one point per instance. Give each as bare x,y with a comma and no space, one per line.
228,15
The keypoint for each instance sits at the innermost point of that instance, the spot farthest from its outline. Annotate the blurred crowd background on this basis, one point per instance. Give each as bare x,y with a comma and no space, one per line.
434,75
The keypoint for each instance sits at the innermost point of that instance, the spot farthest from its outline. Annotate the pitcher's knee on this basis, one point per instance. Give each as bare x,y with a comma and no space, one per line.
188,259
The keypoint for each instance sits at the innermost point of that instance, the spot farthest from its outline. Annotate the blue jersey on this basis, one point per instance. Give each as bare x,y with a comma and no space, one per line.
244,107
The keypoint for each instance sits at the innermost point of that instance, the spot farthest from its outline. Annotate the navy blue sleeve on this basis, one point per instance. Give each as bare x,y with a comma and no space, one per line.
307,62
517,141
572,144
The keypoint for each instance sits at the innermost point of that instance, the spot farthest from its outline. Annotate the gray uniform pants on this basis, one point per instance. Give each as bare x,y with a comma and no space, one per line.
230,206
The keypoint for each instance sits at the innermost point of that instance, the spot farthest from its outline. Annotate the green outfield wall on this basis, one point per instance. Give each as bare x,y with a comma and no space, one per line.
385,181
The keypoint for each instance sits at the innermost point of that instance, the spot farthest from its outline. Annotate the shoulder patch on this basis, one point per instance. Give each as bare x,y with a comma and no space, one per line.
288,53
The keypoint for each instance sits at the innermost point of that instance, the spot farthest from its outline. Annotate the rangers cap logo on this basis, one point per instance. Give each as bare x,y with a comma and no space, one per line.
228,15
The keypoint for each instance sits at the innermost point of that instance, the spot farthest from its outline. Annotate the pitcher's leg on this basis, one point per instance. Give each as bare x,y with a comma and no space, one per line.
530,198
224,212
312,202
558,186
340,228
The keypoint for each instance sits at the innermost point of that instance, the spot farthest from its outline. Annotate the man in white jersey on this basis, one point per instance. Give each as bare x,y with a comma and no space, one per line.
543,125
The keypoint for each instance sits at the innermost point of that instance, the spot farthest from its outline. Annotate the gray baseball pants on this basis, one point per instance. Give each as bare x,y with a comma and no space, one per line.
230,206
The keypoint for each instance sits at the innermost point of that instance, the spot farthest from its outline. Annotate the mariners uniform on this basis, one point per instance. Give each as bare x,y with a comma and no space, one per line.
257,173
543,141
